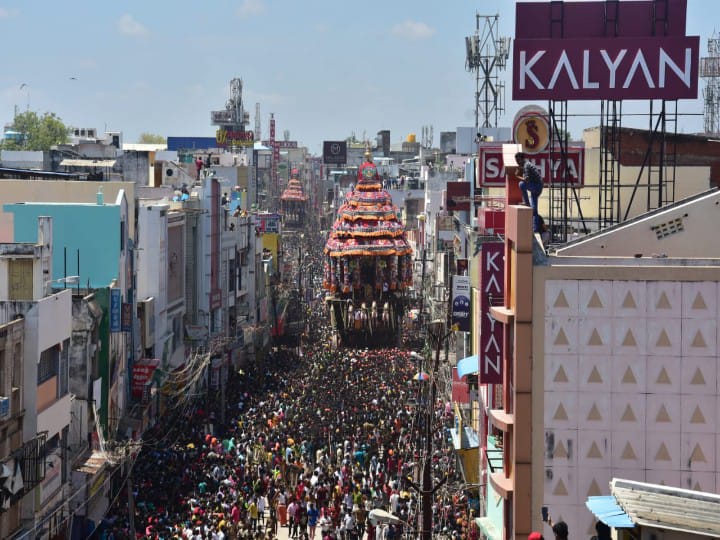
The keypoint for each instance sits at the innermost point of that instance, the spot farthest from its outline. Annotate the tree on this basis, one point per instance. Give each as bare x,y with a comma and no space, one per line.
37,132
151,138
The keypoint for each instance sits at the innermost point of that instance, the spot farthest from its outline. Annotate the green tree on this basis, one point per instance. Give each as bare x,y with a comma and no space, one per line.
151,138
38,132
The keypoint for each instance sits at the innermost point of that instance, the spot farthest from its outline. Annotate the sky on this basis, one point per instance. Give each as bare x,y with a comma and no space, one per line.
325,69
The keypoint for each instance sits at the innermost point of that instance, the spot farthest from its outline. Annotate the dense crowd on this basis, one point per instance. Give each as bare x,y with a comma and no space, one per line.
314,440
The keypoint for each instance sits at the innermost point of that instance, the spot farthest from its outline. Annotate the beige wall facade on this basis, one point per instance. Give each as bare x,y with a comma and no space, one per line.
626,381
18,191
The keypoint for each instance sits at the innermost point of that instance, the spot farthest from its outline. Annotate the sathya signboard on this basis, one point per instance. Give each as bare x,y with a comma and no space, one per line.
492,285
491,168
582,53
461,302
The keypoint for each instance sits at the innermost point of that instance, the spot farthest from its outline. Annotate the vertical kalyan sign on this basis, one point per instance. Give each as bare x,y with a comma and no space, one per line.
604,50
492,285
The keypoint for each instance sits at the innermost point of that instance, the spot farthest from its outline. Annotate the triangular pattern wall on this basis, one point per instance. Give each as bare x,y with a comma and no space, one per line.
631,388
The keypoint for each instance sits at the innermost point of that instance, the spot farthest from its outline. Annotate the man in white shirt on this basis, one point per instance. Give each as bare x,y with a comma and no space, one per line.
291,511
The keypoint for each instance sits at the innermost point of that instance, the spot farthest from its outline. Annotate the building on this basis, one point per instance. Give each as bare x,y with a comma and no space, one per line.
12,340
609,369
100,258
36,458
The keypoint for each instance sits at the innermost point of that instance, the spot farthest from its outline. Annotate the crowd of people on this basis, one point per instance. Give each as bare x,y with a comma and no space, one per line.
314,440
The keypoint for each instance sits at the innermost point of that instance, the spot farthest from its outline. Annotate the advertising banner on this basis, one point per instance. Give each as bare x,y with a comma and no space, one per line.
570,54
225,138
126,317
460,389
334,152
491,166
115,310
602,68
458,196
141,374
461,302
492,285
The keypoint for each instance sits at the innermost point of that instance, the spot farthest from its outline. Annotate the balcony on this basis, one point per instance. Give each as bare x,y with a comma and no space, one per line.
501,419
497,475
502,485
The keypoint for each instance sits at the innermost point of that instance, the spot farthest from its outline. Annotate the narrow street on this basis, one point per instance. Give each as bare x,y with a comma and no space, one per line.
342,430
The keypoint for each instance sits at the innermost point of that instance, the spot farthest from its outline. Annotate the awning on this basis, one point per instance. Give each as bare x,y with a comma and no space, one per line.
468,366
87,163
607,510
468,438
92,463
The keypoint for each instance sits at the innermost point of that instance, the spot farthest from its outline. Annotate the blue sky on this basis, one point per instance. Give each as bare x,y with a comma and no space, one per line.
326,69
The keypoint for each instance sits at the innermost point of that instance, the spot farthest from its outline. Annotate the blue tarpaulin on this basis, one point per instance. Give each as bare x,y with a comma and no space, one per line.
607,510
467,366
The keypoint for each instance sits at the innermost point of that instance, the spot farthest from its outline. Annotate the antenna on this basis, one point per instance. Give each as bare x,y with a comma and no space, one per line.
710,71
487,55
258,126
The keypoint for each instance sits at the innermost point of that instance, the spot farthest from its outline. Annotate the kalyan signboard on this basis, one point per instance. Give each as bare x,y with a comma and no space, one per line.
491,167
604,50
606,68
492,284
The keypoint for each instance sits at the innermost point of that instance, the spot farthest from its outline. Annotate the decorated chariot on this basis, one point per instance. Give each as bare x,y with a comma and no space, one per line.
368,264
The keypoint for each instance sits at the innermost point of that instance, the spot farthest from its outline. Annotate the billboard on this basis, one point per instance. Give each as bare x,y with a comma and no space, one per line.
448,142
461,302
335,152
606,68
142,372
458,196
491,166
115,310
645,57
227,137
492,288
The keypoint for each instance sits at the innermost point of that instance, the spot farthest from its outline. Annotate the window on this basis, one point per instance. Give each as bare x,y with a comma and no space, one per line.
21,279
63,361
4,390
232,278
48,366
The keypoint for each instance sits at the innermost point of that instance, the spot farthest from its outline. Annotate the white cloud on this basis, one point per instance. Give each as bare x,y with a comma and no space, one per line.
130,27
413,30
250,8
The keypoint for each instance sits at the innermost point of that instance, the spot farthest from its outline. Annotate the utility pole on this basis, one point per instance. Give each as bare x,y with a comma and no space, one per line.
131,501
422,288
427,490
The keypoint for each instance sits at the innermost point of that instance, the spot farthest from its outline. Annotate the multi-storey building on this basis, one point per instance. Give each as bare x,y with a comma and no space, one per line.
610,365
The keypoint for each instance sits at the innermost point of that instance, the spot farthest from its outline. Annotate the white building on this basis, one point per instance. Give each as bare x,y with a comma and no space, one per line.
27,292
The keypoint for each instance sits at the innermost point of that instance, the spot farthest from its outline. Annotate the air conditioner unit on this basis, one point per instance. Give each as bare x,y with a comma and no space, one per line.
4,407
